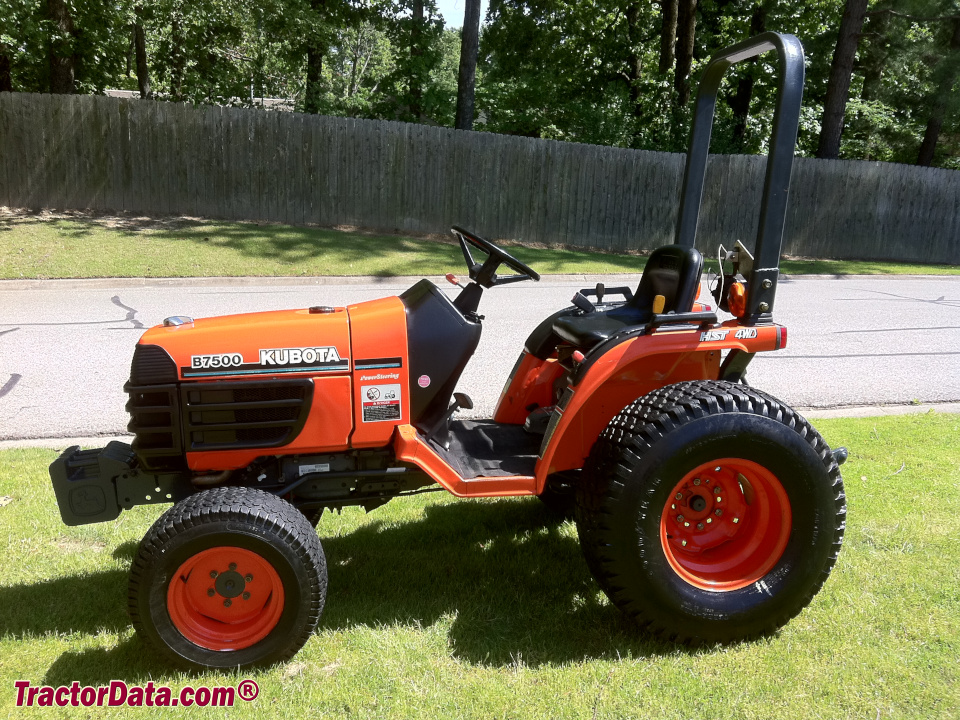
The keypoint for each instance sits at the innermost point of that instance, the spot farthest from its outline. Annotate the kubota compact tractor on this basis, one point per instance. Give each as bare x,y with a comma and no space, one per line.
707,510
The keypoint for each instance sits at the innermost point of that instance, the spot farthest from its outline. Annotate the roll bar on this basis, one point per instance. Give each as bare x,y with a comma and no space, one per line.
776,186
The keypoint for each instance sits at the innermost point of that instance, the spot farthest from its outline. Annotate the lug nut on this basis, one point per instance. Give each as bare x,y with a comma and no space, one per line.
673,507
213,573
699,526
709,520
766,284
736,520
718,512
249,578
211,592
683,542
716,490
696,481
233,566
679,518
227,602
686,524
679,496
246,596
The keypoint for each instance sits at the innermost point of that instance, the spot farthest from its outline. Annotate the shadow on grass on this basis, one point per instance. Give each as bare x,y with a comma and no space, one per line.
316,247
78,603
509,573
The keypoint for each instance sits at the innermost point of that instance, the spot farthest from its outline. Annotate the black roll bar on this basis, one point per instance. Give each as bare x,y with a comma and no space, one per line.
762,283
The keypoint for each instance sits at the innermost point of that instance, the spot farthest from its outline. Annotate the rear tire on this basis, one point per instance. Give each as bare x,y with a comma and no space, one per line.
228,577
710,511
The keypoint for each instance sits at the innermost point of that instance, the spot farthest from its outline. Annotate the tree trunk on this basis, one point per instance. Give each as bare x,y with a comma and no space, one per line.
6,79
416,51
140,50
686,33
668,34
316,51
467,79
838,87
61,55
312,92
177,59
948,77
739,102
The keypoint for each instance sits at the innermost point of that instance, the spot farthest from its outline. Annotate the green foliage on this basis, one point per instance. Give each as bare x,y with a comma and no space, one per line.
575,70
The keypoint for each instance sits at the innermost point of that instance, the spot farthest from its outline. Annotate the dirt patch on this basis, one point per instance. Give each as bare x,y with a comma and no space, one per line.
72,545
133,222
122,221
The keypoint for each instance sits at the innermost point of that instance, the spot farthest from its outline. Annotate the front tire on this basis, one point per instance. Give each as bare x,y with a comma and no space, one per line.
710,511
229,577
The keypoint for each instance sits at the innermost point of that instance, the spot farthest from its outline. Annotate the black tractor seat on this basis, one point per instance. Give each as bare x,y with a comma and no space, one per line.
672,271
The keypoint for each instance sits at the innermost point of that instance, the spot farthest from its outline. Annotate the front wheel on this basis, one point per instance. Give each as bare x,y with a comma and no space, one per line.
229,577
710,511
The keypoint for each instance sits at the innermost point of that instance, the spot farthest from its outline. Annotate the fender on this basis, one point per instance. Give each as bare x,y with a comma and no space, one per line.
625,368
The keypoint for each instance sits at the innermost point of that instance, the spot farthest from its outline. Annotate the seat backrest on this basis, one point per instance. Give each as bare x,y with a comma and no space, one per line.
674,272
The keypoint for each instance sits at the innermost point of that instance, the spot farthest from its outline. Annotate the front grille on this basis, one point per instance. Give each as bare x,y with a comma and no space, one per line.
228,415
152,366
155,422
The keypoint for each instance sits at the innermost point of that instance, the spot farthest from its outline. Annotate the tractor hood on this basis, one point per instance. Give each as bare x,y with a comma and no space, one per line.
283,342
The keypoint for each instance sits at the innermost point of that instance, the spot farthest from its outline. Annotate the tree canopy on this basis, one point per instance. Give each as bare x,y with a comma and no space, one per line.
883,76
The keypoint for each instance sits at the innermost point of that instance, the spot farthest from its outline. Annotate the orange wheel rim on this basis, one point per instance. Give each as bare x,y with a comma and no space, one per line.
725,524
225,598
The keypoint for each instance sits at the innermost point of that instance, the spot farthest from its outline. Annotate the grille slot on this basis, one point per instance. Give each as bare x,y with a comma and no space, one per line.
155,422
228,415
152,365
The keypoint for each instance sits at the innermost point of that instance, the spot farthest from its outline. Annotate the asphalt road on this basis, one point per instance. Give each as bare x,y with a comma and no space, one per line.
65,346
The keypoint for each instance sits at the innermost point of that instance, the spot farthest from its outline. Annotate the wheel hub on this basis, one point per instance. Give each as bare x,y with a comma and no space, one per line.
726,525
229,584
225,598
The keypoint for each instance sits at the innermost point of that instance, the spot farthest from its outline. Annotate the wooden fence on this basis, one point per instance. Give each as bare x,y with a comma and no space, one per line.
100,153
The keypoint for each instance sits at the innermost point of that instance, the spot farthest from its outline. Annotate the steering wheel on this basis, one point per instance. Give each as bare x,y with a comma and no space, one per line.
485,274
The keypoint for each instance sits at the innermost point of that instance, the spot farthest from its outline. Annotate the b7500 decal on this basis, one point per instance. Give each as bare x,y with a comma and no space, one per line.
222,360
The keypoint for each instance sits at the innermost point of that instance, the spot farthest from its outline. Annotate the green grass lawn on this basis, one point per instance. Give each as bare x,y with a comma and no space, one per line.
440,608
83,247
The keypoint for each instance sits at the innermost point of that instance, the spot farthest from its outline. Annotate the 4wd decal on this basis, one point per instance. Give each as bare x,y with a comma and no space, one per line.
270,360
746,333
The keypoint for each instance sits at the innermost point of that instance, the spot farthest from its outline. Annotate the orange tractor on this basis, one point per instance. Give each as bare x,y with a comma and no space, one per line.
708,511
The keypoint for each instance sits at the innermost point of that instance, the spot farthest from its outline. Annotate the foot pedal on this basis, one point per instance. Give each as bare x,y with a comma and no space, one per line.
537,421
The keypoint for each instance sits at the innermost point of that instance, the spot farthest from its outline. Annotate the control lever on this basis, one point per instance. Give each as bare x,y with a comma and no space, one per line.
601,289
581,302
460,400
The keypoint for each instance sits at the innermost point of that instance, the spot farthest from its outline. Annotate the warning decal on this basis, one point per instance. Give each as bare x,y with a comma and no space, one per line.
381,403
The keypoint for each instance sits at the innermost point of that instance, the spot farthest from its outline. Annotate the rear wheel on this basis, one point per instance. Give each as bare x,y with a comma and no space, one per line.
710,511
228,577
